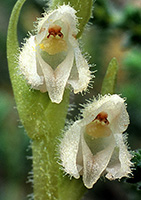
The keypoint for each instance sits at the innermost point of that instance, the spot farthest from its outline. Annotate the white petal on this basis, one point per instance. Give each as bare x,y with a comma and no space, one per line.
69,149
94,165
28,65
56,80
84,74
120,163
114,106
63,15
120,121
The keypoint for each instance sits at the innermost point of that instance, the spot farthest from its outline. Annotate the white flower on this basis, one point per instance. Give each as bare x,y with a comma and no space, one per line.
52,59
95,145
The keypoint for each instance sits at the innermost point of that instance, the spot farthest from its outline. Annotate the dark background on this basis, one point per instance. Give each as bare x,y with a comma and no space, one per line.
114,31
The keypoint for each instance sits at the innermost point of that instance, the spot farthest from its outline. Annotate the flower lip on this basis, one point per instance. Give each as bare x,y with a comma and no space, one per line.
99,127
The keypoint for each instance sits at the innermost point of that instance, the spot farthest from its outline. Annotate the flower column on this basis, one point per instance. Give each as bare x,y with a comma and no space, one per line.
43,115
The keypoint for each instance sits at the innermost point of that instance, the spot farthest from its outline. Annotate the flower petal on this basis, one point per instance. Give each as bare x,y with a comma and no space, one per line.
69,150
63,15
56,80
96,156
84,74
120,163
28,65
94,165
114,106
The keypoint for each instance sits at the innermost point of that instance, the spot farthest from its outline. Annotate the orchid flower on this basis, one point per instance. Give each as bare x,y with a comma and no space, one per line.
94,145
51,59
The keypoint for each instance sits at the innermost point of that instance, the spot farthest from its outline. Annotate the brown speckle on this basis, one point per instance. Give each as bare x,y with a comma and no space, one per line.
74,36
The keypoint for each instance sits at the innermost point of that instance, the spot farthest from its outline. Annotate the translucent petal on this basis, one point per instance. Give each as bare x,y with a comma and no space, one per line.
120,163
69,150
56,80
28,65
83,71
94,165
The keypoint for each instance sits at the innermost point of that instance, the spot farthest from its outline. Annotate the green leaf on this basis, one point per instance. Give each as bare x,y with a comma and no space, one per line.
12,41
109,82
137,158
83,8
135,178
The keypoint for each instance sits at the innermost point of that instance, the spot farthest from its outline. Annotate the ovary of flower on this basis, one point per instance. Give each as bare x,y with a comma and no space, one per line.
95,145
51,60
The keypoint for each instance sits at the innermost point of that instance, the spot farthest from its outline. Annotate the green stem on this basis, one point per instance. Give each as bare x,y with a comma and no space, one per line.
49,182
45,170
48,185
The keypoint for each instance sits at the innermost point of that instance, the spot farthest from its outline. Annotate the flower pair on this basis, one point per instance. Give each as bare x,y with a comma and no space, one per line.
51,59
94,145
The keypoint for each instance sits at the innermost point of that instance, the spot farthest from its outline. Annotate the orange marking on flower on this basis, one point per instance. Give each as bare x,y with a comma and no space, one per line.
102,117
55,30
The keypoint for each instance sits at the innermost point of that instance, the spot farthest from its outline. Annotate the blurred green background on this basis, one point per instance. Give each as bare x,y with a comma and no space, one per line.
114,31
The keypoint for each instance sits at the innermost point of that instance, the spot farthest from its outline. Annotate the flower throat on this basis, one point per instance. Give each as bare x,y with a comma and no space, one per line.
54,42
